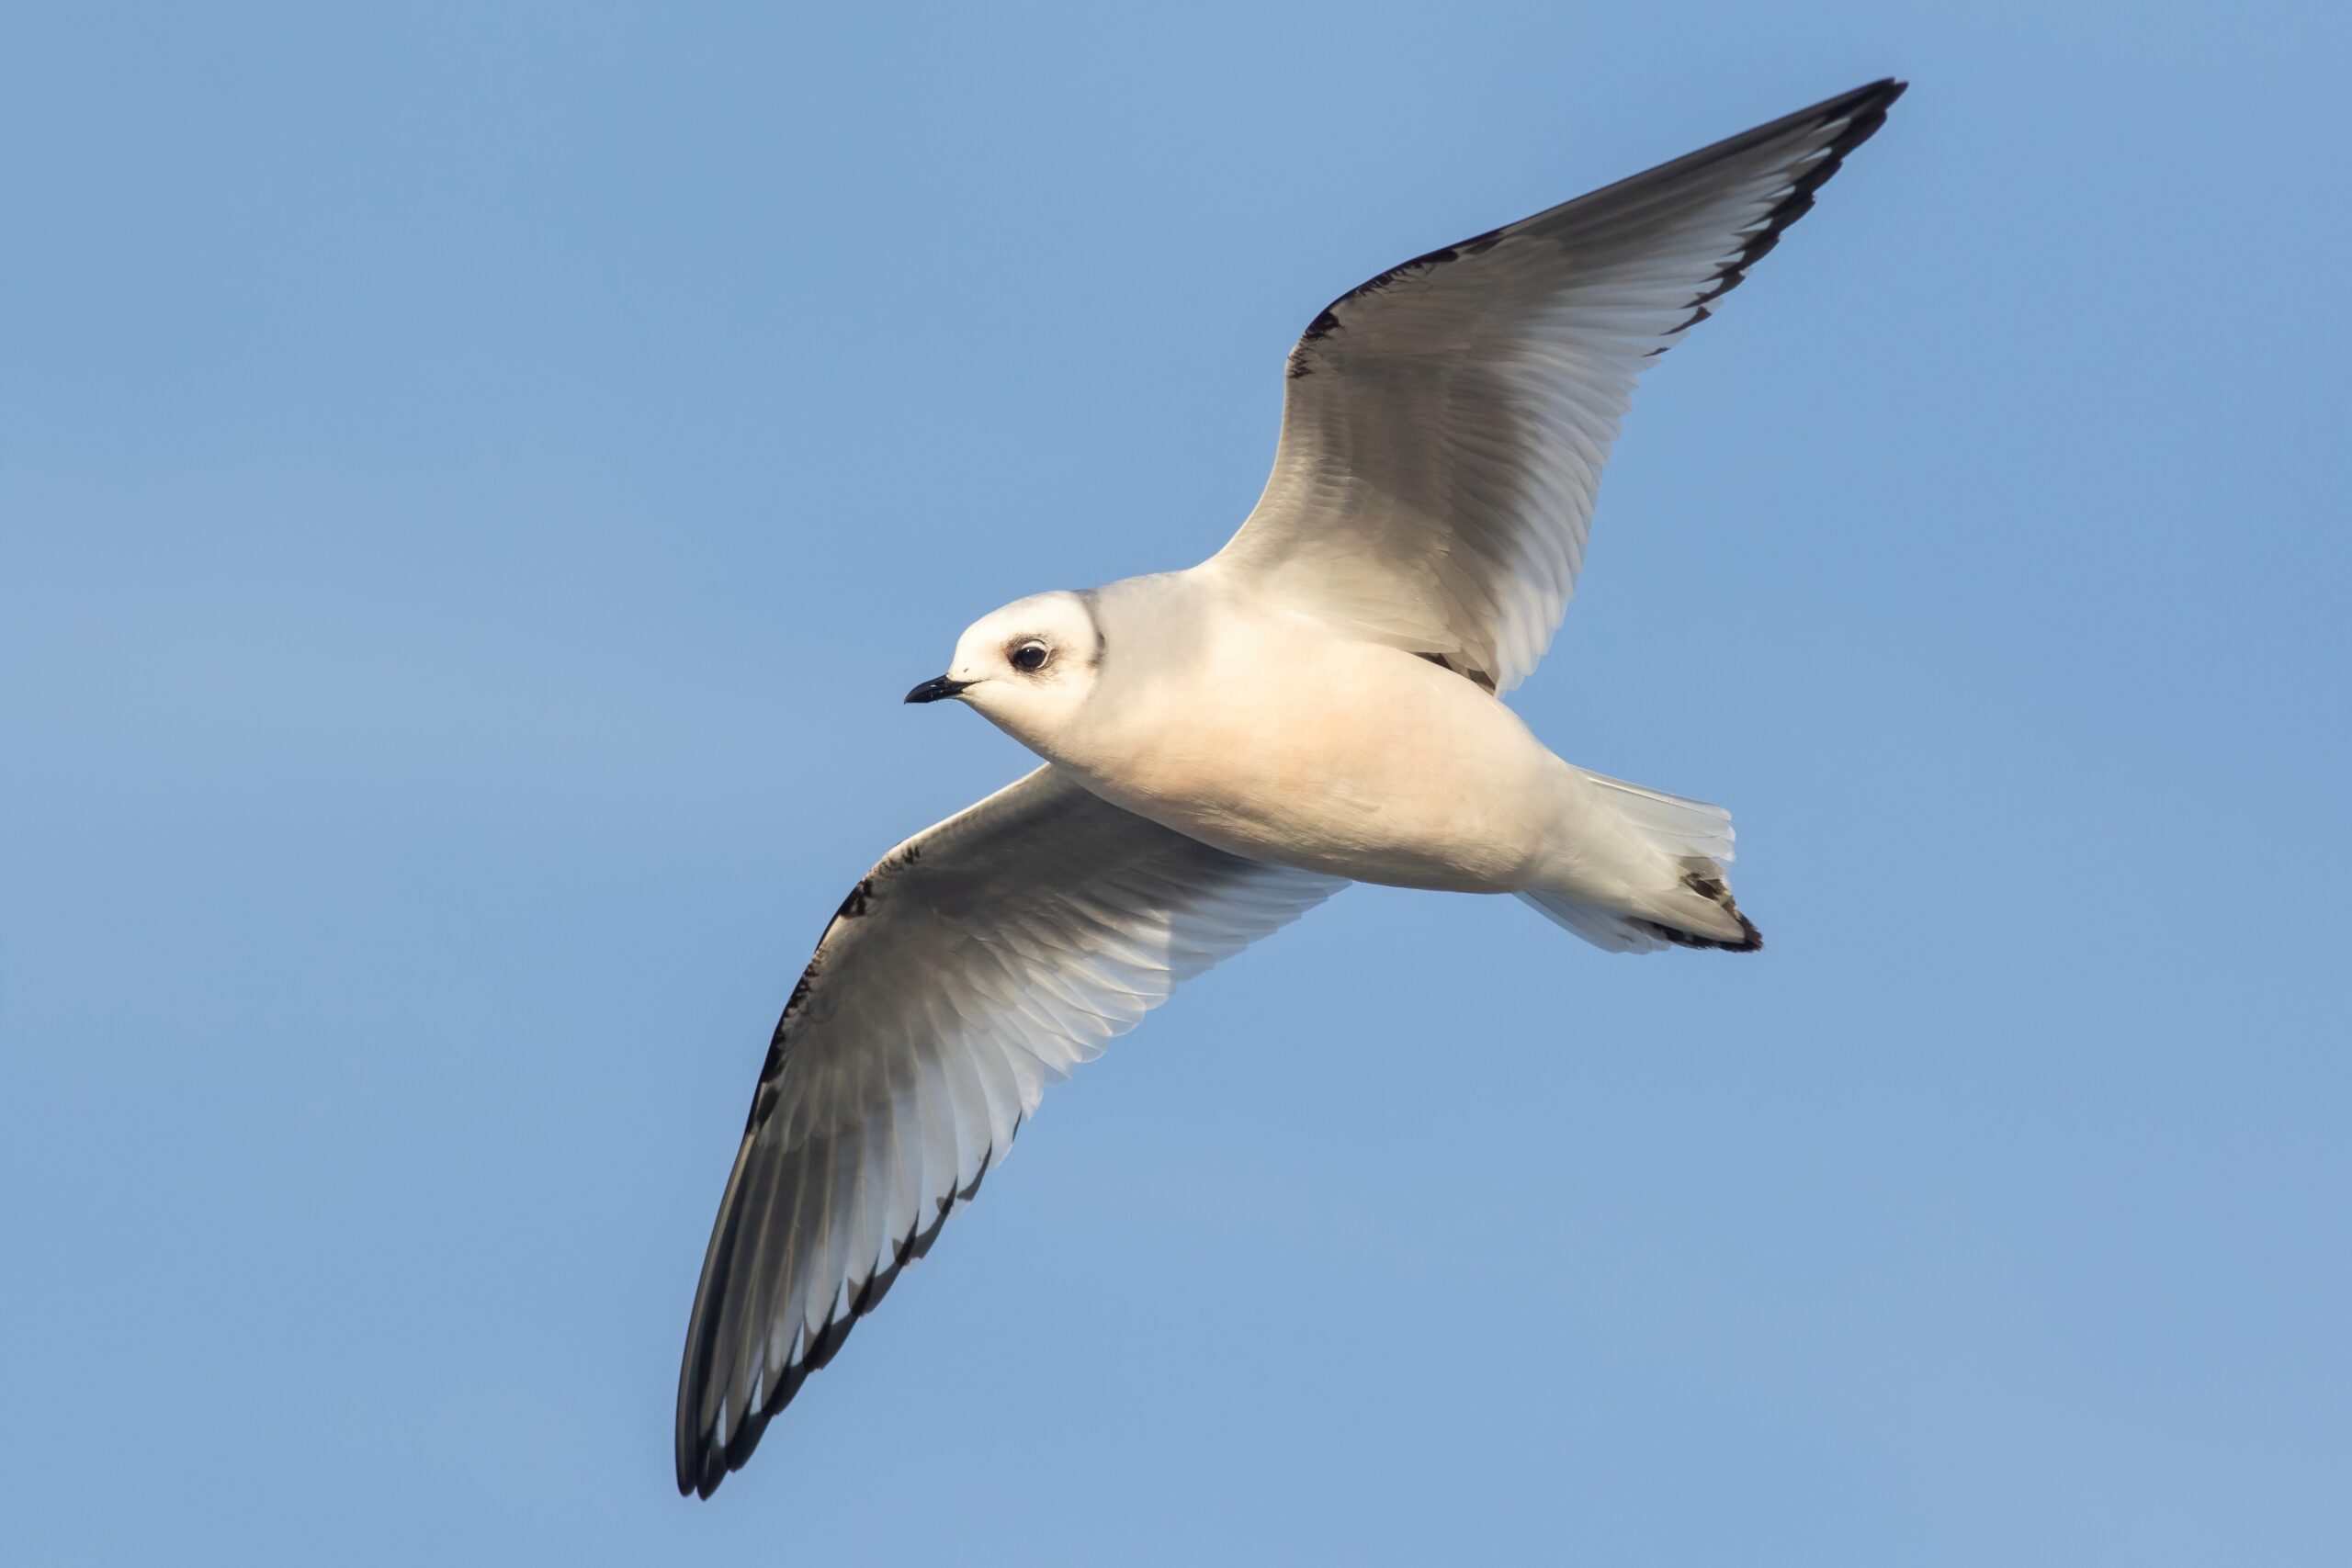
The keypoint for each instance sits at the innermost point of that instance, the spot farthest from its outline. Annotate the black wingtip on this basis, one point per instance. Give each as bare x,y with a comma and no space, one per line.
701,1463
1866,106
1863,110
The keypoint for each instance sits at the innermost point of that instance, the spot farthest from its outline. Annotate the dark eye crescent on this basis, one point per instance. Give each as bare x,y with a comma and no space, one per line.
1029,657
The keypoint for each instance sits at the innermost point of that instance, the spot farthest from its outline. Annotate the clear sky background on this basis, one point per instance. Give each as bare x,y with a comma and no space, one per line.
478,479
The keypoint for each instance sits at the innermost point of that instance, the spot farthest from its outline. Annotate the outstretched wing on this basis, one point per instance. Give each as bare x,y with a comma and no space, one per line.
979,961
1444,425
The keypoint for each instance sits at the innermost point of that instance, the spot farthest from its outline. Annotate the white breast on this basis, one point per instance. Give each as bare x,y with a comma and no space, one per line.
1267,736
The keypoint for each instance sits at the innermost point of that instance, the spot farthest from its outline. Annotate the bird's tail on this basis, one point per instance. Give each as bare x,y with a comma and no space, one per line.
1676,893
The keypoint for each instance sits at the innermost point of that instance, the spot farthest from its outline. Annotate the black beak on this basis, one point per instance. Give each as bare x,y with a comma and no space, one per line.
938,686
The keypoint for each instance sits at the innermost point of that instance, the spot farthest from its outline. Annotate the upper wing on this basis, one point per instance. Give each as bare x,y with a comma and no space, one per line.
980,960
1444,425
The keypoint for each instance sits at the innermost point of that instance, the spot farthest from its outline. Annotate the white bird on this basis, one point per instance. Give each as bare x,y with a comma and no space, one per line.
1227,745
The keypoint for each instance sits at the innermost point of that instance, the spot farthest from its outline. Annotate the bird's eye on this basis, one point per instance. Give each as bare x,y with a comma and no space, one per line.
1029,657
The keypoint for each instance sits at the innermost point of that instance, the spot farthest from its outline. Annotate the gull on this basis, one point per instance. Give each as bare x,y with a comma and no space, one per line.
1227,745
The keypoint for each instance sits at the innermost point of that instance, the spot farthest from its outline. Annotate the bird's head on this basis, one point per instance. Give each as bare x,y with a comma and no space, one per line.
1026,667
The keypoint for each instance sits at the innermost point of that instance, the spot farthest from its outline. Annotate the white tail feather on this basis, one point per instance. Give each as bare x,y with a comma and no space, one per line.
1681,826
1607,932
1682,900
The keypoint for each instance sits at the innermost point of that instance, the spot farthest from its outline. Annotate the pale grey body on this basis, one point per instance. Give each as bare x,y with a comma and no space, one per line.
1228,746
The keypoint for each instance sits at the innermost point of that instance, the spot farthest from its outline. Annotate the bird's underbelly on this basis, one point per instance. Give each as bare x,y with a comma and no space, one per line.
1411,791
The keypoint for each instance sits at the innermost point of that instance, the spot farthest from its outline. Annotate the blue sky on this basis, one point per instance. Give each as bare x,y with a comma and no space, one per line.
477,481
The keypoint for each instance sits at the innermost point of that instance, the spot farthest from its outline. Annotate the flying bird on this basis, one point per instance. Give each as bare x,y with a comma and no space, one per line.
1227,745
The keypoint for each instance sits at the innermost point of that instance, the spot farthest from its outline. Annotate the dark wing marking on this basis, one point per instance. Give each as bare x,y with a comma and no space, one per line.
977,961
1444,425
